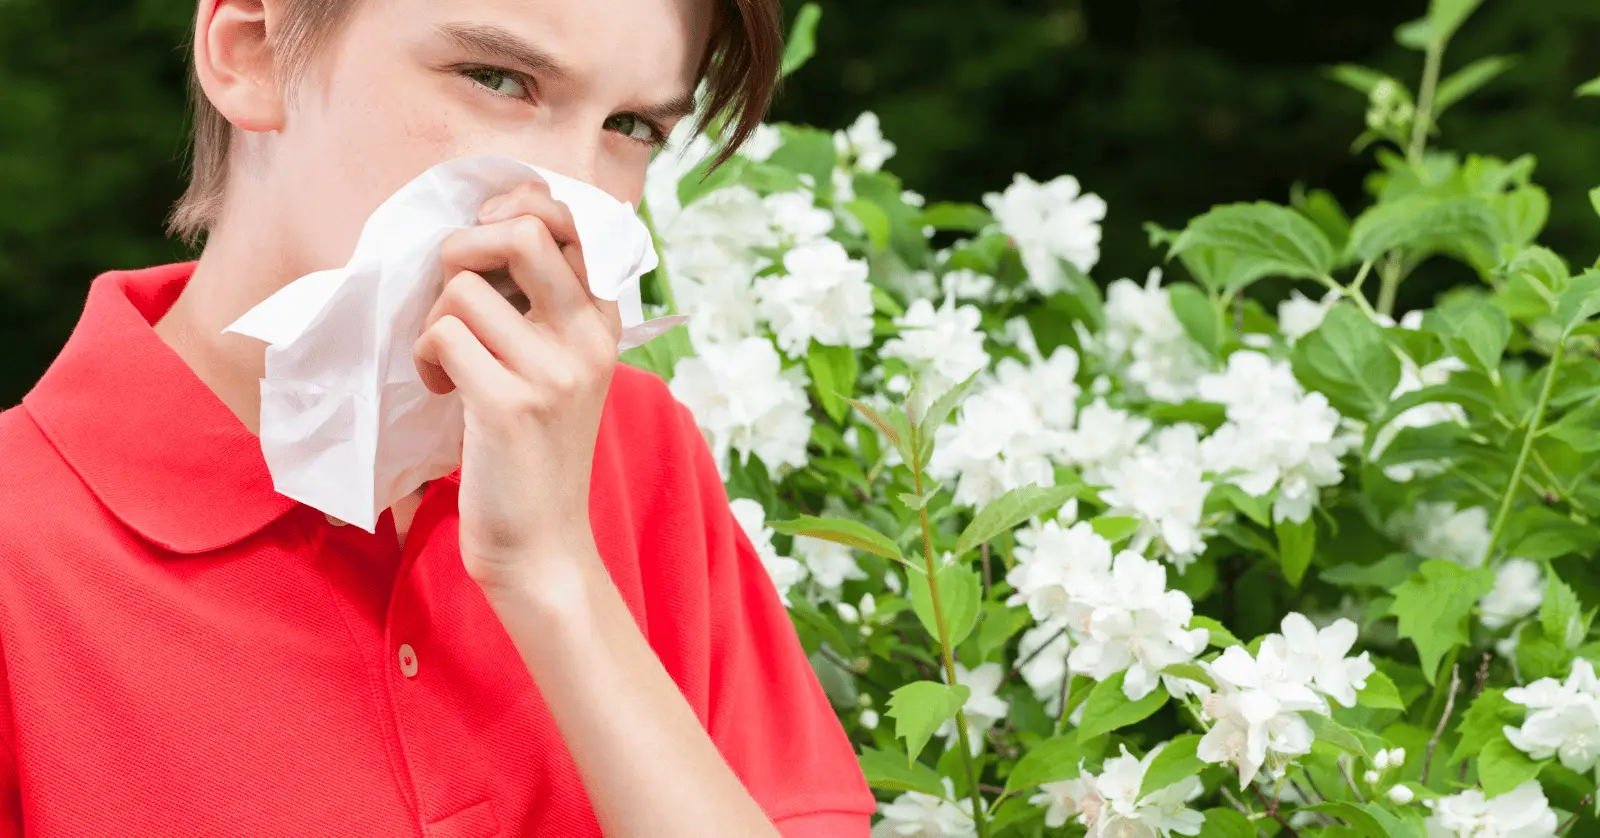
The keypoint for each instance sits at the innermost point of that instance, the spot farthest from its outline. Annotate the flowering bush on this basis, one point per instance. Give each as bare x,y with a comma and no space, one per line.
1151,561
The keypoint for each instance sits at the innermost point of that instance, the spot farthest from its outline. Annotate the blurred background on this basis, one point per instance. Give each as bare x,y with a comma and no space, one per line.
1163,107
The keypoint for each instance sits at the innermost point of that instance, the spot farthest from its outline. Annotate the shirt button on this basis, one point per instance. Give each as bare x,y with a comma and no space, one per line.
408,660
335,521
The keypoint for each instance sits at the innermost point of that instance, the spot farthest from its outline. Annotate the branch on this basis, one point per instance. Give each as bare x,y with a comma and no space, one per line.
1573,818
1272,809
1444,718
1031,655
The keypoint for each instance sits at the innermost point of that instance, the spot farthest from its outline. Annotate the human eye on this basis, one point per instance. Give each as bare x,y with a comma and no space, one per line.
499,82
636,128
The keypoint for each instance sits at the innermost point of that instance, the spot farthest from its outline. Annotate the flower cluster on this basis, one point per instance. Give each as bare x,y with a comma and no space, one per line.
1256,708
1522,812
1563,719
1109,804
1441,531
919,815
1146,343
1116,610
1050,223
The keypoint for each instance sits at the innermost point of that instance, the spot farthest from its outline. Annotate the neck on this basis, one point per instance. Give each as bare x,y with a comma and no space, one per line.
235,272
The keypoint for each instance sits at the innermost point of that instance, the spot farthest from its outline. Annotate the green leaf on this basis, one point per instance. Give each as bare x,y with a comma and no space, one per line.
1115,529
1220,636
960,597
1423,224
895,426
1489,712
1594,194
1296,543
1579,302
1050,761
1384,574
891,772
1478,332
1380,693
939,412
1501,767
874,220
1192,672
1285,242
1561,615
1361,79
1177,761
802,41
966,218
1197,315
1332,733
1446,16
998,624
1468,80
841,531
1579,429
1108,709
1010,510
661,356
1347,360
1226,823
920,708
1416,34
1590,88
833,373
1358,817
1433,607
1257,509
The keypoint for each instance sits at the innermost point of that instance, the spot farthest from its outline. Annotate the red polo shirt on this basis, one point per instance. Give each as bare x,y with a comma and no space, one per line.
188,653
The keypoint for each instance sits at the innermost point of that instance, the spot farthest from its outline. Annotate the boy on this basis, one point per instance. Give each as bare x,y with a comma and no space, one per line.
569,637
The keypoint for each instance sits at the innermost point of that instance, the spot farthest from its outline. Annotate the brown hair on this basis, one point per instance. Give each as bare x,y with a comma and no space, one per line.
740,69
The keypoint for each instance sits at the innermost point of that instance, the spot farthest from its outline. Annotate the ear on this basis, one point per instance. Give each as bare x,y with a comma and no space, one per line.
234,62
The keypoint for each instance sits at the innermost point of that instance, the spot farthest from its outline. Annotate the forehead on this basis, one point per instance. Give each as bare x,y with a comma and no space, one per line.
641,46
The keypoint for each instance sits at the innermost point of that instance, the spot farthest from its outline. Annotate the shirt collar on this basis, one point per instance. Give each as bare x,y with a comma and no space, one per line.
148,438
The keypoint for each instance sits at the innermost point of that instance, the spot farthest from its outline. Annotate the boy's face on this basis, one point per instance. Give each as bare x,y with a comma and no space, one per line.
584,87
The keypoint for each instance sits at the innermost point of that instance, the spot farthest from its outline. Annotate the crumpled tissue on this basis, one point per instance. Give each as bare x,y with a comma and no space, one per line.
347,426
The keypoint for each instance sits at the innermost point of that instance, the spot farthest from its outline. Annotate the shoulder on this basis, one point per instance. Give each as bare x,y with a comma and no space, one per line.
647,425
34,480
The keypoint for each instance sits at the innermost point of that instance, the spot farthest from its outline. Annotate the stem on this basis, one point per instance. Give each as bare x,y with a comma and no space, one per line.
1066,696
1424,116
1272,809
1344,770
1573,818
978,815
1031,656
1389,278
663,279
1444,718
988,581
1522,458
1361,302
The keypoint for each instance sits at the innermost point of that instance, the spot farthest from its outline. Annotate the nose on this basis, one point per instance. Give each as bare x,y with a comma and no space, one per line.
574,151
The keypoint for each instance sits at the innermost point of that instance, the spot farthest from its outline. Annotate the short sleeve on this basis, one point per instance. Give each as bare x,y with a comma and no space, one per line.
769,716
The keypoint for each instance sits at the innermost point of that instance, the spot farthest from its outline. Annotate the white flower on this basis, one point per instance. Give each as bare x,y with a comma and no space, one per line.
1011,431
829,564
796,218
745,402
1045,648
686,149
1061,573
1257,710
1138,626
1518,592
1440,531
869,719
1299,316
918,815
785,572
1162,485
1401,794
1563,719
1522,812
1412,379
710,250
824,296
983,708
1146,343
1277,435
765,140
966,284
1063,800
1105,436
943,346
1320,656
1111,806
1050,222
863,144
913,199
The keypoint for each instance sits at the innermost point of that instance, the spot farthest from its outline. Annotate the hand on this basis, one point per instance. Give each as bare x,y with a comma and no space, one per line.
533,385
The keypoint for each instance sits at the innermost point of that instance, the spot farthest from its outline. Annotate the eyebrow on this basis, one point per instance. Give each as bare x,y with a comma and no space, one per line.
497,43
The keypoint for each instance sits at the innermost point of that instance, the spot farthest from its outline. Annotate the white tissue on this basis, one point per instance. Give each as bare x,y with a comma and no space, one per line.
347,426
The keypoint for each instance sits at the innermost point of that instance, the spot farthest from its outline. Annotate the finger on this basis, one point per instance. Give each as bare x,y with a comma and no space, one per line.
474,301
611,315
524,247
448,357
534,198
